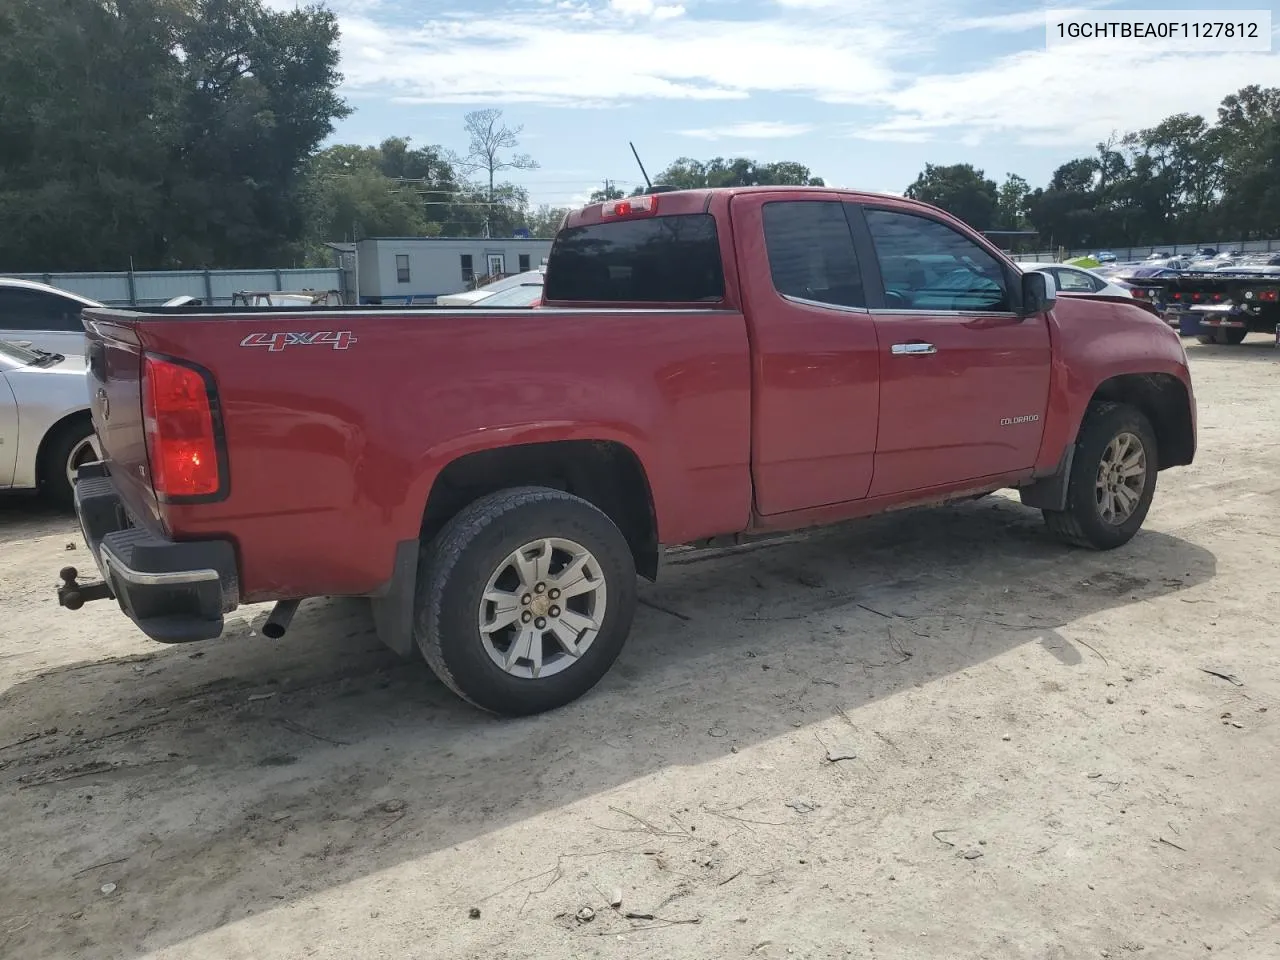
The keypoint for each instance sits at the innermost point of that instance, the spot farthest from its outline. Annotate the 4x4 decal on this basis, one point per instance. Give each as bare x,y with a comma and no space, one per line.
275,342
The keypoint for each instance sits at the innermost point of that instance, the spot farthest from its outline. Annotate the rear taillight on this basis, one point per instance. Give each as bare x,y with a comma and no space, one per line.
182,426
1268,295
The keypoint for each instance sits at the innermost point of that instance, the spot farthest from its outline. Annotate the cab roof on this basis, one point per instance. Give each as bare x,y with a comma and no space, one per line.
699,200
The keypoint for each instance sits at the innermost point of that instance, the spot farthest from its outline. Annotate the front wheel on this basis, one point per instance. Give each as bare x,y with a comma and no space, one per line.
1113,478
525,600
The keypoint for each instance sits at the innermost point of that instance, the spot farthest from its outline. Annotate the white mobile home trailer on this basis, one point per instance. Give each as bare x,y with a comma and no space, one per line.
419,269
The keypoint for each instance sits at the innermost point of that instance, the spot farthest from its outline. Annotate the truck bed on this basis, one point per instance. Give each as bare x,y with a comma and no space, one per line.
345,417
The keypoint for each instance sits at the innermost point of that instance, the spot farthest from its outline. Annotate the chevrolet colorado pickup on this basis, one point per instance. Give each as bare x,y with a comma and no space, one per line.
706,366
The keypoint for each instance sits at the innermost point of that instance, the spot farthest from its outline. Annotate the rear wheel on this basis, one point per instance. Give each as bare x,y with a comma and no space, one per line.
1113,478
73,445
525,600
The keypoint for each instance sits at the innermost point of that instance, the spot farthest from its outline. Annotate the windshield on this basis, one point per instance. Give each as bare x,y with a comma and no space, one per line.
525,295
18,354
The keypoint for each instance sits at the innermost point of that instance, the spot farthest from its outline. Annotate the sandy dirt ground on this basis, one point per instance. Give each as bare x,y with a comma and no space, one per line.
929,735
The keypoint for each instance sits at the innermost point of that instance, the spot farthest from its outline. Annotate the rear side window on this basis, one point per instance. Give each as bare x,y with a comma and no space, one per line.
811,254
655,259
36,310
1069,281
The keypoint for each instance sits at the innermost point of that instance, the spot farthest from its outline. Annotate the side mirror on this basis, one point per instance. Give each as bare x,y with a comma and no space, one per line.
1039,293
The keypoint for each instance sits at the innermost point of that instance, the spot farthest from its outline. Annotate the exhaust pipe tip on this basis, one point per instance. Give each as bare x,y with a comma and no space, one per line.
279,619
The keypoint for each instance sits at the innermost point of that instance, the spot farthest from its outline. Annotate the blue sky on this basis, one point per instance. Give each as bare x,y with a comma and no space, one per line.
864,92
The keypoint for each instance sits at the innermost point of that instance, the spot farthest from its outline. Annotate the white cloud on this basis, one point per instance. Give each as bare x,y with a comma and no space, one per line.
1069,96
646,8
547,56
751,130
602,53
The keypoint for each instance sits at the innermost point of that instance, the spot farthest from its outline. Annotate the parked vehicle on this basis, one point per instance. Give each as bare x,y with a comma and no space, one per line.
1069,279
40,316
471,298
525,295
1105,256
1221,306
46,433
709,366
286,298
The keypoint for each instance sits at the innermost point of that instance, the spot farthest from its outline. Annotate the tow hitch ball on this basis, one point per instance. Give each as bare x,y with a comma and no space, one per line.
74,595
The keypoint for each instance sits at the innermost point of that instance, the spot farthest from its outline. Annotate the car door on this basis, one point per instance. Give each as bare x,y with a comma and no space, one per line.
964,381
815,393
45,321
8,430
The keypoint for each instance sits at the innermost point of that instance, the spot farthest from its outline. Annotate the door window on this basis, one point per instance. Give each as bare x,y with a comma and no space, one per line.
36,310
929,267
811,253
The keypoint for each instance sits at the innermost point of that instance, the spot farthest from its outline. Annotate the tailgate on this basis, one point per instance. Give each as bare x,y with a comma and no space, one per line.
115,396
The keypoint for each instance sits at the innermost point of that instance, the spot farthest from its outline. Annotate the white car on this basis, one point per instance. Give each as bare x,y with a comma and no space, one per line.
525,295
45,430
1079,280
472,298
38,315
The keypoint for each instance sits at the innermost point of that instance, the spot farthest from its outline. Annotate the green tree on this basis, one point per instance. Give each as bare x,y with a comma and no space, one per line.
610,192
1011,202
1248,137
688,174
961,190
545,221
166,132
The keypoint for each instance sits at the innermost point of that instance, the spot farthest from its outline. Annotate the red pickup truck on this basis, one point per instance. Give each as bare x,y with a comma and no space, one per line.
706,364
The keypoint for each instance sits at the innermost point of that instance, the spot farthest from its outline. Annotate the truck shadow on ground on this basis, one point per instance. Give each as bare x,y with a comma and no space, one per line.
25,514
1258,348
170,773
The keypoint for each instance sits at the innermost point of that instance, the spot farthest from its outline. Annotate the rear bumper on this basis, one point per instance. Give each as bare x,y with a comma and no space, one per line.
174,591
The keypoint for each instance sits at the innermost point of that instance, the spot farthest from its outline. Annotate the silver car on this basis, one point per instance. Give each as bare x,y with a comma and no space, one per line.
1078,280
38,315
45,430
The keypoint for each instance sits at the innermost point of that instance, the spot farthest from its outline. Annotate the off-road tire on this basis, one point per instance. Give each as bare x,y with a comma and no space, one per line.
458,562
1081,524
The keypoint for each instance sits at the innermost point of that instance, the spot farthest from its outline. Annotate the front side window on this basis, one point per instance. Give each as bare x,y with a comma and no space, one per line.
928,266
811,253
673,259
402,268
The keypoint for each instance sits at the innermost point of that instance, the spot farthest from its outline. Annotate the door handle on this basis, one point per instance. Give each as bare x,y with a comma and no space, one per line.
913,349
